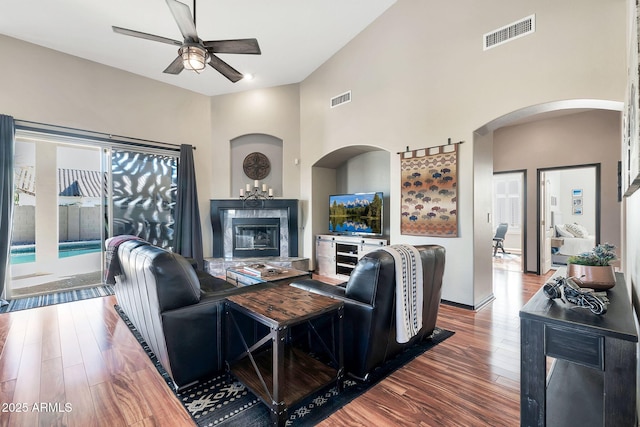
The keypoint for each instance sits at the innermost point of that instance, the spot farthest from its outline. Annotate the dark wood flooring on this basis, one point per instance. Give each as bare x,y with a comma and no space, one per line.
81,354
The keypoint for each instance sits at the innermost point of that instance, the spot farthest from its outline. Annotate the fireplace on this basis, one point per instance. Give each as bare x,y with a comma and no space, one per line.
280,212
255,237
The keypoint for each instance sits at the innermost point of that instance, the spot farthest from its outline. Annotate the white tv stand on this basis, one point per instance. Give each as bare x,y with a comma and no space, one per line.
337,255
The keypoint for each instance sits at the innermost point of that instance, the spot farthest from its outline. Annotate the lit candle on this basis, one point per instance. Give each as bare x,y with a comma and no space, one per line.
256,184
241,192
271,192
248,187
264,187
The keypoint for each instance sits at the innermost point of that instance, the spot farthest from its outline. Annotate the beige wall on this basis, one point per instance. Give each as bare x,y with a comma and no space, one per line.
575,139
418,76
483,231
43,85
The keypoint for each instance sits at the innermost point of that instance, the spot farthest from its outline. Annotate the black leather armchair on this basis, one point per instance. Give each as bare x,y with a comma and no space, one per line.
178,311
369,315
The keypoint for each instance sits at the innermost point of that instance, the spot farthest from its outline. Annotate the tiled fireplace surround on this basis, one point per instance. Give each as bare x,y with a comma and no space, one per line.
223,211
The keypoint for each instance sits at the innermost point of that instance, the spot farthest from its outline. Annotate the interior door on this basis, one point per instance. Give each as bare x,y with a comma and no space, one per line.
545,222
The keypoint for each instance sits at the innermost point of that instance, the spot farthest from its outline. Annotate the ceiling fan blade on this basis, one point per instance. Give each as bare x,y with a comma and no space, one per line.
182,15
246,46
225,69
175,67
147,36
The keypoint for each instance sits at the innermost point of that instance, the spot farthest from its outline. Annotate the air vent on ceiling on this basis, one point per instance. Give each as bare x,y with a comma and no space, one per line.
509,32
343,98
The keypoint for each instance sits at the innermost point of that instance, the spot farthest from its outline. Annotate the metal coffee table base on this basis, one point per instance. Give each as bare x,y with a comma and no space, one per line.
276,371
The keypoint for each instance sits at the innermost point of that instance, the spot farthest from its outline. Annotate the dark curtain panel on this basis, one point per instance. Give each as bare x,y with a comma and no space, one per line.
187,229
7,147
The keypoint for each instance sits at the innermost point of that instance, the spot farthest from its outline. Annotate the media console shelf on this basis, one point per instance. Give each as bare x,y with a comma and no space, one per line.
593,378
337,256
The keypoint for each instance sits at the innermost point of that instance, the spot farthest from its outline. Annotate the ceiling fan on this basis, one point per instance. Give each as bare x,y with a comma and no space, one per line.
193,53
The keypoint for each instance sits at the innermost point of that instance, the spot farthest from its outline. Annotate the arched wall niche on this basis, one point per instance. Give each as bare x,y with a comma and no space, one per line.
244,145
351,169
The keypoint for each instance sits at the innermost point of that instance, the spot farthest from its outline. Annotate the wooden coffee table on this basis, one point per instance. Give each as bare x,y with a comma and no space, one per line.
239,276
278,373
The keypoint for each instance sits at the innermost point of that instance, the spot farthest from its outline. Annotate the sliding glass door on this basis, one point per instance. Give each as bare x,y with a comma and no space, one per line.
72,194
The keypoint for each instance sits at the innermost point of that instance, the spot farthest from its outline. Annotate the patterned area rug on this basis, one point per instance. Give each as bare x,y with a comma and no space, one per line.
56,298
224,401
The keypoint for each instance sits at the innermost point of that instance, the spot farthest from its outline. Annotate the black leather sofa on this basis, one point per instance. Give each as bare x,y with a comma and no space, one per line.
369,315
177,310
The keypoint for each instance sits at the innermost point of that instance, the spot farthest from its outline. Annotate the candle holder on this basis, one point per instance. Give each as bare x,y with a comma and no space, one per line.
255,193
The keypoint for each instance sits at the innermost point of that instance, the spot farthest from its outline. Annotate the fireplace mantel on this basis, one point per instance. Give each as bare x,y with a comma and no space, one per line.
220,208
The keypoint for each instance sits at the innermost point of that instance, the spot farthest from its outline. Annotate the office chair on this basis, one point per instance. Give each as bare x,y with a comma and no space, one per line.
498,239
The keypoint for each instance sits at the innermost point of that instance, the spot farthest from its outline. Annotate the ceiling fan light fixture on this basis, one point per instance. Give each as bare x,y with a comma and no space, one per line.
194,57
194,53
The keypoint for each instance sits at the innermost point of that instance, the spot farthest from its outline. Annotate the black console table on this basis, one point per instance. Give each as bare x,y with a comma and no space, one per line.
593,379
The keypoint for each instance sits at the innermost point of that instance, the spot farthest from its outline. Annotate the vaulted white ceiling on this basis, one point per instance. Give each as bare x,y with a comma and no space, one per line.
295,36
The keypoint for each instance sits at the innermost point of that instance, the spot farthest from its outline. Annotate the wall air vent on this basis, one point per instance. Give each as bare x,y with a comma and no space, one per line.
343,98
509,32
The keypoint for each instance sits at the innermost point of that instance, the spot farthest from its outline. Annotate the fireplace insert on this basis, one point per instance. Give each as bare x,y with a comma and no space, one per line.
256,237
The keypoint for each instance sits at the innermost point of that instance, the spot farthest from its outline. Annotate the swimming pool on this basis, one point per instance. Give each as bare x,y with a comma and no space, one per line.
21,254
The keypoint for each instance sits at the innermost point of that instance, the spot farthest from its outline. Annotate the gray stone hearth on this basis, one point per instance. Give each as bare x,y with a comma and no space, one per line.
218,266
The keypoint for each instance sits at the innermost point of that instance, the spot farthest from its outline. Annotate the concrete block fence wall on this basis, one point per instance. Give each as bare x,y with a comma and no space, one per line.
75,223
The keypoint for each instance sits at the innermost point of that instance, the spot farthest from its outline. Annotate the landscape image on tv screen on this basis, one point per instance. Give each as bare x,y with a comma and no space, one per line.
359,213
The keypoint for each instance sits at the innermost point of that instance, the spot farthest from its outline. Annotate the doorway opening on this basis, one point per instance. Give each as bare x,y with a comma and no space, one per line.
509,200
568,213
58,218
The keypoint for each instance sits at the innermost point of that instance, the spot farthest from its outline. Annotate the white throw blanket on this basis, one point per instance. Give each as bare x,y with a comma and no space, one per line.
409,288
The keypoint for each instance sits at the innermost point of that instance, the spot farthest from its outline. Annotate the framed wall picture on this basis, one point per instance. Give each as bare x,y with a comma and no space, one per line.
576,201
630,133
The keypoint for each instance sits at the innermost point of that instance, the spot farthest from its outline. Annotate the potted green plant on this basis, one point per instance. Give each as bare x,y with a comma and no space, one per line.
594,268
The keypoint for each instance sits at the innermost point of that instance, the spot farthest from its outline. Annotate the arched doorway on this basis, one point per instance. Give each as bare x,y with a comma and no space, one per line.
560,154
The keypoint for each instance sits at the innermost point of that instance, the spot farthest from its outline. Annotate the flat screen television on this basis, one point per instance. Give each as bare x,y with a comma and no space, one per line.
356,213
